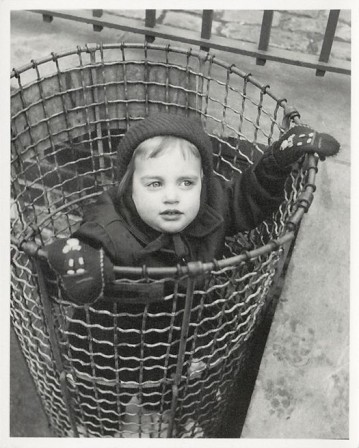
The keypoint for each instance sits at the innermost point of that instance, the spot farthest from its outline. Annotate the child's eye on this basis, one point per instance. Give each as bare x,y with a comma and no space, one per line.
155,184
187,183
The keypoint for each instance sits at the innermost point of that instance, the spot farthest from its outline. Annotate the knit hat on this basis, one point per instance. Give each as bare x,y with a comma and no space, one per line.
162,124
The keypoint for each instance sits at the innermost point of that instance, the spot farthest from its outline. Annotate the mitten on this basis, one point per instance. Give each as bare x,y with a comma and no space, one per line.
299,140
83,270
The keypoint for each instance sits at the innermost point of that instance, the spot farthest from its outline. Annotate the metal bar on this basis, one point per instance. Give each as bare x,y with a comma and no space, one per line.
32,249
181,350
95,96
150,22
217,43
97,13
87,108
207,19
328,38
265,34
54,345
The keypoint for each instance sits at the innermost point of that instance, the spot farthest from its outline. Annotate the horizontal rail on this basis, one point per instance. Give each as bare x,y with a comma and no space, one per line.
194,38
34,250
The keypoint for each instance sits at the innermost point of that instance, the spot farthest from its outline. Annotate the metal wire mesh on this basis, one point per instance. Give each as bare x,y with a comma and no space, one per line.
165,365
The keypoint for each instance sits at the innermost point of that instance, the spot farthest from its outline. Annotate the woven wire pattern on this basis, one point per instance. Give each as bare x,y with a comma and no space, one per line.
30,327
68,113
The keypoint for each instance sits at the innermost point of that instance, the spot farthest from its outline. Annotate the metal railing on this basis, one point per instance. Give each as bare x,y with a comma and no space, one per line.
206,41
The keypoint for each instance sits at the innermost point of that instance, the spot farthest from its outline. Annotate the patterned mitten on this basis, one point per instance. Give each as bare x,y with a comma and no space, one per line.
301,139
84,271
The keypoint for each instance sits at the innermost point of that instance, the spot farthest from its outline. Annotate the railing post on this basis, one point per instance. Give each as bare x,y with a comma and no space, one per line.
328,39
207,19
265,34
150,21
47,18
97,13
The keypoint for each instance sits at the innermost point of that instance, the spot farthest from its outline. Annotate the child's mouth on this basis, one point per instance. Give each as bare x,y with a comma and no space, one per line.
171,214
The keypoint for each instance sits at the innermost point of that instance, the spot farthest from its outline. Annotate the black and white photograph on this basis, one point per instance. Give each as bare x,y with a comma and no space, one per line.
180,203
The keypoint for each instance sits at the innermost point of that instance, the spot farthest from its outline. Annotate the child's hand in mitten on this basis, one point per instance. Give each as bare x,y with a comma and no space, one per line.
299,140
84,271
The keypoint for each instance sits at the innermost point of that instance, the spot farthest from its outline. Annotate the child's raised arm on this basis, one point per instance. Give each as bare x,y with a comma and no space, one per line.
302,139
259,191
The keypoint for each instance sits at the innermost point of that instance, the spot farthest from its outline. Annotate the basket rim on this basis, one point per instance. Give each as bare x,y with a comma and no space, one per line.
202,55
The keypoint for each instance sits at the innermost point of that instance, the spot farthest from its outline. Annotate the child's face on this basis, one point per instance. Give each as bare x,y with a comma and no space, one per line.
166,189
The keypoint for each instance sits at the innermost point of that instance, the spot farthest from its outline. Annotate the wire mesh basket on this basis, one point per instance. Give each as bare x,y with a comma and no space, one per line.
164,365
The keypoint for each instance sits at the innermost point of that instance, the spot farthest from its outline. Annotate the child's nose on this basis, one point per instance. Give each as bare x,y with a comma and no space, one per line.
171,195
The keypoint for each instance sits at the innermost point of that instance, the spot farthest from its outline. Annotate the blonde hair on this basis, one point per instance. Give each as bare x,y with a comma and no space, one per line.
151,148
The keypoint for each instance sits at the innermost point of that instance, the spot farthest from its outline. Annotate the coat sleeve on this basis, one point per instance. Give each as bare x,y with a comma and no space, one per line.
97,221
95,235
103,227
255,194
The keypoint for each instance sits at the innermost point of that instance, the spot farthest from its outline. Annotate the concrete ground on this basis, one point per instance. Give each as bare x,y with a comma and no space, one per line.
303,384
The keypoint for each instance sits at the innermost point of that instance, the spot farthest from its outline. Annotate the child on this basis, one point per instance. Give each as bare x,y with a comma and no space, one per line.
167,209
